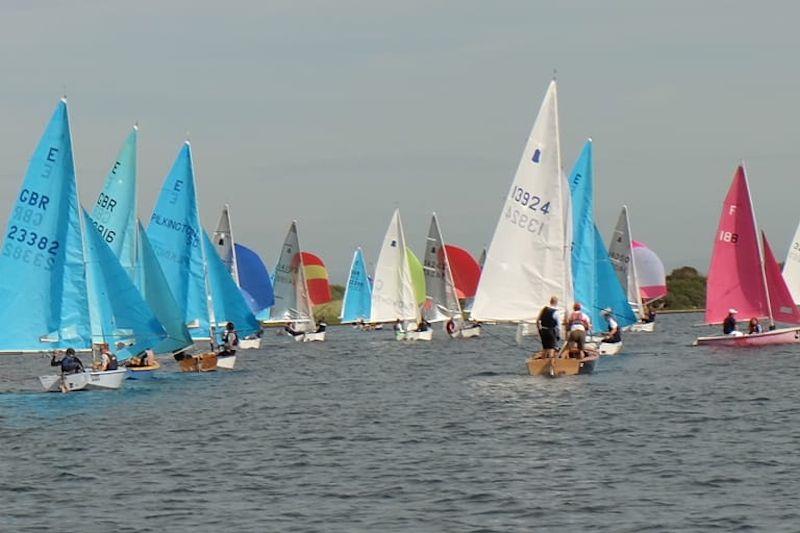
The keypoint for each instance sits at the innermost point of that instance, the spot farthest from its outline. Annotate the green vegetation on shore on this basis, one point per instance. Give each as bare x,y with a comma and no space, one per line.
686,289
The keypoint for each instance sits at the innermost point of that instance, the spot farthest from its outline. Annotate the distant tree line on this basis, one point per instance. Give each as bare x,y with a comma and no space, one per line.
686,289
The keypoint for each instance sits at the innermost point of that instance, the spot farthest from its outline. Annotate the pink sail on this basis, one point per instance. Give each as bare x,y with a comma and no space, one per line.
780,298
735,278
649,272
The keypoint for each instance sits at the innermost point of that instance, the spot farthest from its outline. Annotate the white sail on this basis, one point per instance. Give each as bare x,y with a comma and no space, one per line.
791,268
441,299
289,283
305,308
223,240
620,251
392,290
528,259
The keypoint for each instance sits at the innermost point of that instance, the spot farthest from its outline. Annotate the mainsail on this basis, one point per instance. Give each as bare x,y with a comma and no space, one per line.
620,251
224,243
393,295
292,301
358,292
441,299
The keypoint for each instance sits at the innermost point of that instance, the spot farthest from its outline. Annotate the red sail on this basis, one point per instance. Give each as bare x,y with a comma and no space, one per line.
317,279
735,279
780,299
466,271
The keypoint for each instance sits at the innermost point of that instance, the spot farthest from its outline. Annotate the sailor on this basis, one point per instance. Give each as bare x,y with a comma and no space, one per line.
729,324
230,340
549,324
398,326
649,315
613,334
108,361
321,327
70,364
754,326
578,323
423,325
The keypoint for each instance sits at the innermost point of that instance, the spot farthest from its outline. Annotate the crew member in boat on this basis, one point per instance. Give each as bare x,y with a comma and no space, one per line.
321,327
549,325
649,315
230,340
145,358
729,324
398,325
613,335
288,328
578,323
754,326
423,325
108,361
69,363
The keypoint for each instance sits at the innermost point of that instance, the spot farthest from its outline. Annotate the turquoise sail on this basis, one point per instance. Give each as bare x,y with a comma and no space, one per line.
591,266
175,234
42,273
114,213
229,303
121,313
358,293
154,287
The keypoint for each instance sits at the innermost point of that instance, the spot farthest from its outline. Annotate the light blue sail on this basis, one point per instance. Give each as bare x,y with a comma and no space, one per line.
114,213
595,283
175,234
120,312
154,287
229,303
254,279
358,293
42,274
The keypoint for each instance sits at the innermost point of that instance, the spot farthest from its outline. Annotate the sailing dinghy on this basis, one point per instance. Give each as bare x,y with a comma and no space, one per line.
741,277
396,289
528,259
358,292
293,306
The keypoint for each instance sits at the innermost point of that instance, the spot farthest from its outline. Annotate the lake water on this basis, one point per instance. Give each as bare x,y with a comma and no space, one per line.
362,433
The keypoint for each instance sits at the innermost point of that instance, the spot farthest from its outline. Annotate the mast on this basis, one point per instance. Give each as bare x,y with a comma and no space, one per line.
234,263
760,245
567,230
635,275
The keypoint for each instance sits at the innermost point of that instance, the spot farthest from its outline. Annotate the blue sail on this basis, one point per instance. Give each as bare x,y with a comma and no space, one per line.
114,213
42,273
175,234
154,287
358,293
229,303
254,279
590,262
121,312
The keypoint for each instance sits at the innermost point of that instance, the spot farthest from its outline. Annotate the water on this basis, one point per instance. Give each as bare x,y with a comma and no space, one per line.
362,433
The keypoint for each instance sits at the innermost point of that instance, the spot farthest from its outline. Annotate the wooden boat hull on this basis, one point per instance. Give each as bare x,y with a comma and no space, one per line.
414,335
643,327
87,380
226,361
769,338
249,344
139,372
205,362
609,348
561,366
311,336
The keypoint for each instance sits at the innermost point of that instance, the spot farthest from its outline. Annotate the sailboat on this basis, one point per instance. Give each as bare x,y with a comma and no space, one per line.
357,293
293,305
741,277
228,250
595,283
396,289
114,217
196,275
528,260
441,304
628,256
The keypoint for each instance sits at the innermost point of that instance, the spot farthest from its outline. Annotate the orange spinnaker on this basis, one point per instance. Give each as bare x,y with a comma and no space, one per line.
317,278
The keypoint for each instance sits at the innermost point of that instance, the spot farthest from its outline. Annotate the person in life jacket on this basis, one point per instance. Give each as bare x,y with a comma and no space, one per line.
69,363
578,324
230,340
108,361
613,335
549,325
729,324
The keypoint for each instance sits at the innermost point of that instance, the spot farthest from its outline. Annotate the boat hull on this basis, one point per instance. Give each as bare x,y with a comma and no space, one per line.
311,336
414,335
86,380
249,344
205,362
609,348
140,372
467,333
226,361
769,338
561,366
643,327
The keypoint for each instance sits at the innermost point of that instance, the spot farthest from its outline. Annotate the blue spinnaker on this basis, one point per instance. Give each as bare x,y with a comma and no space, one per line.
42,273
175,234
254,279
591,266
358,293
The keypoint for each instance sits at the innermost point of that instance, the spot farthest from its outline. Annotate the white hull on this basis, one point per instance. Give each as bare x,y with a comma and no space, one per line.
469,332
609,348
414,335
249,344
226,361
777,336
86,380
313,336
647,327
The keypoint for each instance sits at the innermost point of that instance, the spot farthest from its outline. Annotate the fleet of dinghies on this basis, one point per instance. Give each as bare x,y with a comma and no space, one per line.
86,281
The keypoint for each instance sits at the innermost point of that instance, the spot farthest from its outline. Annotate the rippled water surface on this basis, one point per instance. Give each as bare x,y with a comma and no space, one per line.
362,433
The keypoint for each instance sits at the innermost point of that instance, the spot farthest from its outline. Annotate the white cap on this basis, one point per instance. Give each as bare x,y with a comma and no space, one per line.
732,311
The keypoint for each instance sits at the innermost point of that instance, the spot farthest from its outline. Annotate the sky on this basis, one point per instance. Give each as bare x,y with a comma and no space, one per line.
335,113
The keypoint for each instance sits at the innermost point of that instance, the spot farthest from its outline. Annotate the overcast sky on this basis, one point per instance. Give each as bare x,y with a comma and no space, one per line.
333,113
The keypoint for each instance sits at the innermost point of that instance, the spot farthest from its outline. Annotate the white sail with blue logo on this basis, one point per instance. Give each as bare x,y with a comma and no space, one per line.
528,261
176,236
595,281
292,302
42,270
358,292
393,294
